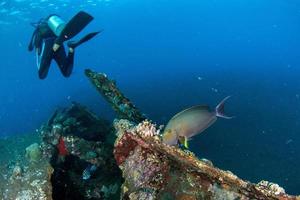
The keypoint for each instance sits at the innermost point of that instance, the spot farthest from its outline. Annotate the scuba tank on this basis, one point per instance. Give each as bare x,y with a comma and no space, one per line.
56,24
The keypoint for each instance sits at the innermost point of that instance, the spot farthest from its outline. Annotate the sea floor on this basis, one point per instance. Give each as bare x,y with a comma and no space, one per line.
20,178
13,148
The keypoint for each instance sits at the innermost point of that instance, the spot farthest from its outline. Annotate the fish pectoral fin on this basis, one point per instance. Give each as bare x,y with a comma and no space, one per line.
184,141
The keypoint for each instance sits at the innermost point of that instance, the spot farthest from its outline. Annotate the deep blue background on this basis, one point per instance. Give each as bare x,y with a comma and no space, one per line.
157,50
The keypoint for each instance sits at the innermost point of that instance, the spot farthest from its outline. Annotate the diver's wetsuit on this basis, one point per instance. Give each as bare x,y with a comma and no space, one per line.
43,40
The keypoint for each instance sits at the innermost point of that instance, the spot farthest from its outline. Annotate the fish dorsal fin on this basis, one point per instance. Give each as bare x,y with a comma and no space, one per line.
198,107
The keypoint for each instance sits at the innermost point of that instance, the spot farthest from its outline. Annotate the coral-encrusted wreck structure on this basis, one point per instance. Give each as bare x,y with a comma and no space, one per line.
73,140
153,170
128,158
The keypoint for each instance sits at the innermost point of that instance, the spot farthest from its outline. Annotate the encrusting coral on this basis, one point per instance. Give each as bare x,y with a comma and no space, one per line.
123,107
154,170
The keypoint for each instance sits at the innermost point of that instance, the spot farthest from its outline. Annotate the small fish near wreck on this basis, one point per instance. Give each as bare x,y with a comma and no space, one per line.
192,121
88,172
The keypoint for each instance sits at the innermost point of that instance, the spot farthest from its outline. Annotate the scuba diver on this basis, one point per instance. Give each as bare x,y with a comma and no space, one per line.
48,38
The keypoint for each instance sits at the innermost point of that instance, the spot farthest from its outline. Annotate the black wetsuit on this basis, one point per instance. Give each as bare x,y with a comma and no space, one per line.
43,40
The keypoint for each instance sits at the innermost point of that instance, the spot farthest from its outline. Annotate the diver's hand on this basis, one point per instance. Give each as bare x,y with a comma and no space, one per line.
71,50
55,47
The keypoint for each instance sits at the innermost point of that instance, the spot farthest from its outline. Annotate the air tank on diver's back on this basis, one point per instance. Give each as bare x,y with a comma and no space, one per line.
56,24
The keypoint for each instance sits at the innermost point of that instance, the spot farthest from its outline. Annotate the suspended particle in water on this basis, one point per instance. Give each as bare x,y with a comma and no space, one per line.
288,141
214,90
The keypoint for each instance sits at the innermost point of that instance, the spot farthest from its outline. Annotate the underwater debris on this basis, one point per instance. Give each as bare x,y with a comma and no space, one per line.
154,170
108,89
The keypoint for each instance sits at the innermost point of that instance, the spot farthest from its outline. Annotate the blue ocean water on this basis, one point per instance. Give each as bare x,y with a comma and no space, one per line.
167,56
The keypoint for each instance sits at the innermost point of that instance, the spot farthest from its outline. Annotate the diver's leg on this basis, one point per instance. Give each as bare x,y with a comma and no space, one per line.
45,57
64,62
74,44
69,64
74,26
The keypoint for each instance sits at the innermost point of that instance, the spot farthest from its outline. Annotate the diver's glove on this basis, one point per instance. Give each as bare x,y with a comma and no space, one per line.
57,43
55,47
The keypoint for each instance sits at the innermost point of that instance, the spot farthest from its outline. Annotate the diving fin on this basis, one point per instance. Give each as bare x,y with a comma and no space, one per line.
73,44
74,26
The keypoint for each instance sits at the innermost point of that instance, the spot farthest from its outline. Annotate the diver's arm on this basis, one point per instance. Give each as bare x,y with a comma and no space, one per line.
58,42
30,46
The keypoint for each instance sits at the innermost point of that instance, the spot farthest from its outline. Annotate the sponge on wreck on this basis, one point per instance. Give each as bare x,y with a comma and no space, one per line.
33,152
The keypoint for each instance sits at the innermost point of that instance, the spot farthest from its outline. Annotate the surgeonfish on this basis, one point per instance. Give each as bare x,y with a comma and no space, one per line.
87,173
191,122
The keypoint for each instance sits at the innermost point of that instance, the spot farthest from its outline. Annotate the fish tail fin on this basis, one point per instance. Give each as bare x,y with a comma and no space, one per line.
220,109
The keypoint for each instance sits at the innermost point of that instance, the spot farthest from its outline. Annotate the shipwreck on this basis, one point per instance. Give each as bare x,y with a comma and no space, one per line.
131,161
